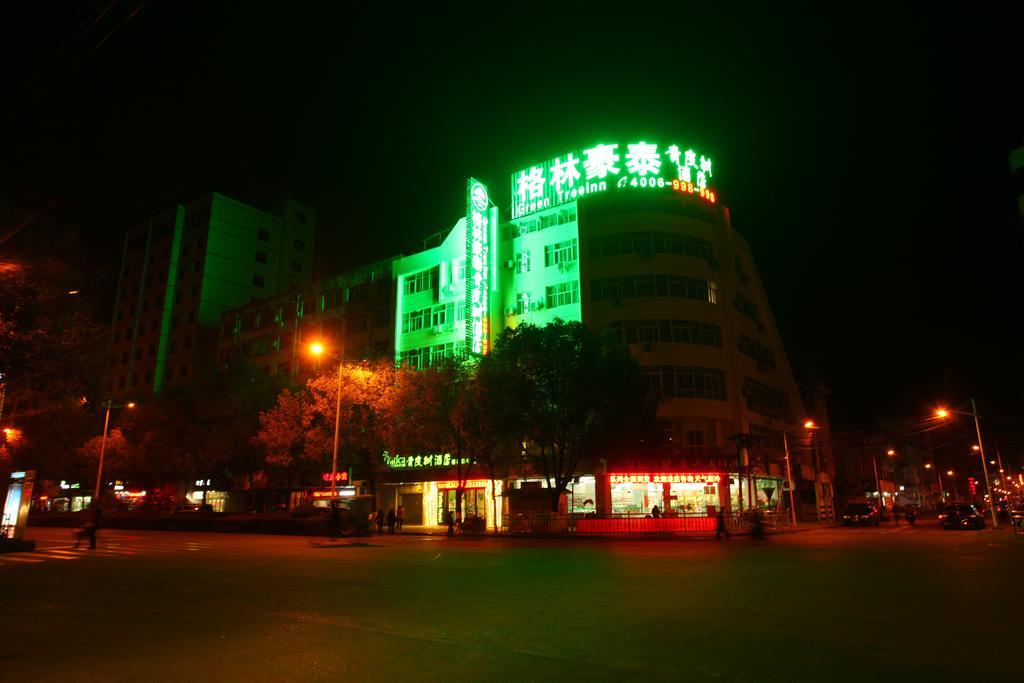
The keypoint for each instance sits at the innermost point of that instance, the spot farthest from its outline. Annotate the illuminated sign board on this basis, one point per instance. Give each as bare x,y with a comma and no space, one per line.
342,492
470,484
338,476
478,271
639,165
408,462
670,478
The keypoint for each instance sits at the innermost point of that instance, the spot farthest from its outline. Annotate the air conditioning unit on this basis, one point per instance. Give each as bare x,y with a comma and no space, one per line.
450,327
511,263
438,329
537,306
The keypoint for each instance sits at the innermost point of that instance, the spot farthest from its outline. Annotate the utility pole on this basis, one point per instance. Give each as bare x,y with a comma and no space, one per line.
984,466
789,476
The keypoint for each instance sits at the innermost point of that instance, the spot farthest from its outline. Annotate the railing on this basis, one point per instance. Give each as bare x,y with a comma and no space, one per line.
635,524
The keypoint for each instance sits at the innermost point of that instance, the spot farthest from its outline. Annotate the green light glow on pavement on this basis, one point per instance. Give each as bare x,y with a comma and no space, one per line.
647,166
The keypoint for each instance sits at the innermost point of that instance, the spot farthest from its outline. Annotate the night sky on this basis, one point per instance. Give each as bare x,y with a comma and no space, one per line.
864,155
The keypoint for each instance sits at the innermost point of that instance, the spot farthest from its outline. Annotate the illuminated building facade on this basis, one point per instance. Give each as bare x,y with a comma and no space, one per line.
183,268
629,238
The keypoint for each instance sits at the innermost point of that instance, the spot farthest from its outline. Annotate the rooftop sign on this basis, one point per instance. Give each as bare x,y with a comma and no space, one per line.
640,165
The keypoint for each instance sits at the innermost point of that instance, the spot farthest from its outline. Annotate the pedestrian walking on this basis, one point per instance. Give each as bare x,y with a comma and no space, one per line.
911,515
380,522
655,512
757,529
449,519
720,526
896,513
89,526
400,517
392,519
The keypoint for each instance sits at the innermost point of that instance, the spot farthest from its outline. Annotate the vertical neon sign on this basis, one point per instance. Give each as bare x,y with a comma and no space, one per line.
478,272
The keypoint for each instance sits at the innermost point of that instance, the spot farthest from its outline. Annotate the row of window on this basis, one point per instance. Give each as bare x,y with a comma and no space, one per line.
154,325
666,331
685,381
261,257
534,223
263,235
430,355
562,294
432,316
765,399
423,281
151,351
747,308
764,356
647,243
628,286
561,252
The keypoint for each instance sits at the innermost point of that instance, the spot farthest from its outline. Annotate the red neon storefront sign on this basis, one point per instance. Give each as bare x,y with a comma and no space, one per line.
470,484
667,478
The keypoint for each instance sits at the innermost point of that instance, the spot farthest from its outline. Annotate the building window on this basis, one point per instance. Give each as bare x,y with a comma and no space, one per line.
193,291
299,245
629,286
188,342
648,243
747,308
263,235
357,323
148,376
764,356
261,257
192,316
522,303
765,399
685,381
124,357
296,266
151,351
121,381
458,270
258,281
423,281
184,371
560,252
138,353
562,294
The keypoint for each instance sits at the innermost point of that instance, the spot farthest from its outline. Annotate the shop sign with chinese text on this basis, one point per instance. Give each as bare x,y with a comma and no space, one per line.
637,165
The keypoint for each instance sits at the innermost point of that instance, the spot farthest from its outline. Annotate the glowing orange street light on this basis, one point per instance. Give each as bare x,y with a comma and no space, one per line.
316,348
949,473
975,448
890,452
809,424
942,413
978,448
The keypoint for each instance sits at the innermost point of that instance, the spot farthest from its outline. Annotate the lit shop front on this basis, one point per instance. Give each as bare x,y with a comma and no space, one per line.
674,493
425,487
766,493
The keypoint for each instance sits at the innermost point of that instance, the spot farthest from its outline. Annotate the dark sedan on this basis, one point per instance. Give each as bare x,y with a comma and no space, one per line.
860,513
962,516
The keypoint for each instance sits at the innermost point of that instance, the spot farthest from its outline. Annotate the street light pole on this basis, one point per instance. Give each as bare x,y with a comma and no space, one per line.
789,475
984,466
337,428
103,450
878,487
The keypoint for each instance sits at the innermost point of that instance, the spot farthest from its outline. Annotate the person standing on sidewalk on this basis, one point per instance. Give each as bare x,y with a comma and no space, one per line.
896,513
720,527
392,519
400,517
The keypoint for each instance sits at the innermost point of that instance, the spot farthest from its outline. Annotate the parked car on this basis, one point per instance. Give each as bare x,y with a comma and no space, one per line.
961,516
860,513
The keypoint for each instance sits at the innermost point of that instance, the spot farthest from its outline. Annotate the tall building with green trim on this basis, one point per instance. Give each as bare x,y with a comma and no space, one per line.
183,268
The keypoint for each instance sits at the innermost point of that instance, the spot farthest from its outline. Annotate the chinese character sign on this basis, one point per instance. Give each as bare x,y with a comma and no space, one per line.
640,164
670,478
478,264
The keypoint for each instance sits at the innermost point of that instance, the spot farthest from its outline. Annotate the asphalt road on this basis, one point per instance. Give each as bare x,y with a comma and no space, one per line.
881,604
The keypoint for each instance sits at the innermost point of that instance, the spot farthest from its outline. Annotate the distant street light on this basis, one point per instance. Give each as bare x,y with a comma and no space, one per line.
938,477
980,448
878,482
103,447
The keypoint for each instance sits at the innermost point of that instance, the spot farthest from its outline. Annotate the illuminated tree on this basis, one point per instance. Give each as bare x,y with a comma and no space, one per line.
568,396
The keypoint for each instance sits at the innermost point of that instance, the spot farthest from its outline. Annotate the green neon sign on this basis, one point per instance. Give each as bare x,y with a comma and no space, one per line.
642,164
478,272
410,462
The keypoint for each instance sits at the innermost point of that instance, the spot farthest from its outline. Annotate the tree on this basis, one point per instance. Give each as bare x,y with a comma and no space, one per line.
298,430
51,347
568,396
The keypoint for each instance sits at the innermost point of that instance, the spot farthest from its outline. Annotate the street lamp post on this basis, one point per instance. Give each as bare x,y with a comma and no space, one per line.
317,350
943,413
938,477
103,449
789,475
952,478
